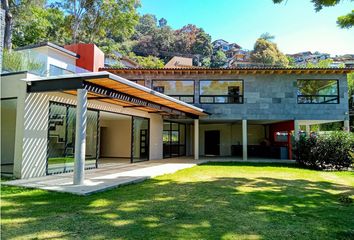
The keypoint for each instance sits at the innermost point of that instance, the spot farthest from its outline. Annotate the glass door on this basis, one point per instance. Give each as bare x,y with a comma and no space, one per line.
140,139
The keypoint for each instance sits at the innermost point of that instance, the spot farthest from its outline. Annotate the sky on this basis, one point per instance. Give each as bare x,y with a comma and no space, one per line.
295,24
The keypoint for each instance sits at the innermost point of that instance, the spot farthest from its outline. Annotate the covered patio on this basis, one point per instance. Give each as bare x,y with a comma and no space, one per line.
79,123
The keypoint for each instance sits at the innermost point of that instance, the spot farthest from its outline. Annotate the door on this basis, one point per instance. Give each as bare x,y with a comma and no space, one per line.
212,142
140,139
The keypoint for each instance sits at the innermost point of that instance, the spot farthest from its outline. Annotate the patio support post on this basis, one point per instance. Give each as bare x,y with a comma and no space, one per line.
308,130
346,126
296,130
80,140
244,139
196,139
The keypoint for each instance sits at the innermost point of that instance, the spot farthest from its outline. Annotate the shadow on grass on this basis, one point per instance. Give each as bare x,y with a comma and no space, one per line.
221,208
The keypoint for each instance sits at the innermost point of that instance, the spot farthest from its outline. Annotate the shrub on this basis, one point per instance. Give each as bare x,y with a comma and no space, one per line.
330,151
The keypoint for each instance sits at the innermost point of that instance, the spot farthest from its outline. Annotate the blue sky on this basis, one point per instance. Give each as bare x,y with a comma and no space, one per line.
295,24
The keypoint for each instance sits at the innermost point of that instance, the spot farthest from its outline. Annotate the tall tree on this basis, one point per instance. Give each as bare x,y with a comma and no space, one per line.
92,20
8,24
218,59
268,54
345,21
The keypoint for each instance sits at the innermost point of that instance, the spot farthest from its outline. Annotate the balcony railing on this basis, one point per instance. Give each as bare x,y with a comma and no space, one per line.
221,99
184,98
317,99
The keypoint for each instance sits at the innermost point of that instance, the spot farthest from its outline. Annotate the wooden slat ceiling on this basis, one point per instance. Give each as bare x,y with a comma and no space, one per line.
124,88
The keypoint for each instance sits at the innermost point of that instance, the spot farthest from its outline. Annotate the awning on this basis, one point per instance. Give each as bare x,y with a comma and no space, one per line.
110,88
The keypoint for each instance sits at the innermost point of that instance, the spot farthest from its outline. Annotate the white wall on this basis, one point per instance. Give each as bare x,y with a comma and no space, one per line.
116,140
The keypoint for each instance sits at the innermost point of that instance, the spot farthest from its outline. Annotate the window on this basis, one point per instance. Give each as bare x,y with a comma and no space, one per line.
180,89
221,91
56,71
317,91
140,82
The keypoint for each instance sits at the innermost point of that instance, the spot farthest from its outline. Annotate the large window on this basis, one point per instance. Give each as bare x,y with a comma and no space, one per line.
317,91
61,138
221,91
180,89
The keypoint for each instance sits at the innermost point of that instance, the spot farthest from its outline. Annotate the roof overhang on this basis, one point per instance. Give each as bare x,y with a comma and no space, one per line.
107,87
228,71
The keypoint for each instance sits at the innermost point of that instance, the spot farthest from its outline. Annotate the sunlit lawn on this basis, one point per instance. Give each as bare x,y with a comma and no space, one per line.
212,201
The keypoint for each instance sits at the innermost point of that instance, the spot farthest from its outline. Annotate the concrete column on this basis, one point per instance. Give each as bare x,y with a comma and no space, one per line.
296,130
80,140
346,126
244,139
196,139
308,130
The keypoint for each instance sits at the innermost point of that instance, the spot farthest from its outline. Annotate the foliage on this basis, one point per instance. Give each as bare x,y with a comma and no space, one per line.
38,24
291,61
350,78
90,20
268,54
147,62
13,61
325,63
346,21
329,151
267,36
218,59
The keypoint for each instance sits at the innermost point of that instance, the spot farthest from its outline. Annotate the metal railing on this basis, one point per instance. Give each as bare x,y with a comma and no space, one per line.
184,98
318,99
221,99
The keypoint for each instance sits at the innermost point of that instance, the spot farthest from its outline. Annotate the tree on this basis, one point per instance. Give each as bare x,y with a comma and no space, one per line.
147,62
267,36
346,21
218,59
92,20
268,54
13,12
40,24
162,22
147,25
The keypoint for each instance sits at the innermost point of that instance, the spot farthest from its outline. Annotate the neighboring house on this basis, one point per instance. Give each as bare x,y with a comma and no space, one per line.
117,58
179,62
230,49
239,112
346,60
52,59
302,58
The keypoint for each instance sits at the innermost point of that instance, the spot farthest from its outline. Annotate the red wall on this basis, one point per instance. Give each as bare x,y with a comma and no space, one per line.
90,56
287,126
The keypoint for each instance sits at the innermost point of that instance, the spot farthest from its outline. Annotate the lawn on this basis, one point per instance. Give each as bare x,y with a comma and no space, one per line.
211,201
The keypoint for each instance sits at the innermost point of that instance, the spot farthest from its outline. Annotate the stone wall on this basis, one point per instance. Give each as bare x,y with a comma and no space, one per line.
266,97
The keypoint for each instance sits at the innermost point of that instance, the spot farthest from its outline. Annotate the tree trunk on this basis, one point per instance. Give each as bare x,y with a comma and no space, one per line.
8,25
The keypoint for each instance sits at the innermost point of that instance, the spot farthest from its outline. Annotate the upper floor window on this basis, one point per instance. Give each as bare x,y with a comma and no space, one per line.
56,71
180,89
221,91
317,91
140,82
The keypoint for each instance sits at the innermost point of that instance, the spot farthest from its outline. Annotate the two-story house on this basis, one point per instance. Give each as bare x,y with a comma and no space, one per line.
72,121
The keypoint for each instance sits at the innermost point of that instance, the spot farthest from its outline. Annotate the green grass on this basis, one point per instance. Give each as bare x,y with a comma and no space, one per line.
211,201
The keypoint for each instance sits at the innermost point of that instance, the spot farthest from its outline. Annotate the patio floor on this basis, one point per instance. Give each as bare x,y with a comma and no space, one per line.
112,174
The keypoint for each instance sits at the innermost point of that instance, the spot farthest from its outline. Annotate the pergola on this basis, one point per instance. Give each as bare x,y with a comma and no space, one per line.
110,88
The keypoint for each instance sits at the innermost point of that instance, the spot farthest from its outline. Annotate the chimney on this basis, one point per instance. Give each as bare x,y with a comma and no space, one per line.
90,58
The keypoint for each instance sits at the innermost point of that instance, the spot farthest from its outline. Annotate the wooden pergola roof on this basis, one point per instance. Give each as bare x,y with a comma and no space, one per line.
107,87
228,71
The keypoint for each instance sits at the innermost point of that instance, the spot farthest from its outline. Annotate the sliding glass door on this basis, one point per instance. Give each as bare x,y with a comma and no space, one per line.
140,139
61,138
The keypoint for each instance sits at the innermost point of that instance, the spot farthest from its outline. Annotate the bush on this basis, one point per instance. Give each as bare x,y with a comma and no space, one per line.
331,151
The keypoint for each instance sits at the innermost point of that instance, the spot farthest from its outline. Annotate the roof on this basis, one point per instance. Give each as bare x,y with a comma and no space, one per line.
225,71
107,87
179,62
49,44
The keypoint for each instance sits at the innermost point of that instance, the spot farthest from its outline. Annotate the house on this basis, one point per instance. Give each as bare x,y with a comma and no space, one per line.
230,49
302,58
179,62
346,60
117,59
75,121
